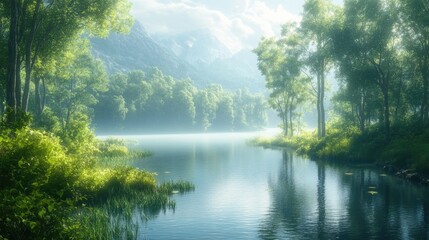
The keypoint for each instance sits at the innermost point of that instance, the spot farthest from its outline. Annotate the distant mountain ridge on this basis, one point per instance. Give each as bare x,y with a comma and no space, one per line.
196,47
198,55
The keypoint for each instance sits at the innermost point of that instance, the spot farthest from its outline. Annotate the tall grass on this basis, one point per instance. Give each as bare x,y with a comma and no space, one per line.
118,193
408,148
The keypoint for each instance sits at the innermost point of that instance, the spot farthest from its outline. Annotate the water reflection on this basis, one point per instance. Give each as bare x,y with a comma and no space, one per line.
315,200
245,192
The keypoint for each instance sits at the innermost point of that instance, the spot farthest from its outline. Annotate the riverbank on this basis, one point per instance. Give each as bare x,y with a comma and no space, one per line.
56,188
405,155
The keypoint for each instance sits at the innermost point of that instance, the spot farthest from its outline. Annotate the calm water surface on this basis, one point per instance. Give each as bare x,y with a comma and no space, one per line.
245,192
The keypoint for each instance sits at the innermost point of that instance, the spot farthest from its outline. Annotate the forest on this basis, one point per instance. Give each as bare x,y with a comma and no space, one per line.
374,57
159,103
58,180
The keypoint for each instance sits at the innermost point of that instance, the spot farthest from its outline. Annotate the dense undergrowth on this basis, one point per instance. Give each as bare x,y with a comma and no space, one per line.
69,185
408,147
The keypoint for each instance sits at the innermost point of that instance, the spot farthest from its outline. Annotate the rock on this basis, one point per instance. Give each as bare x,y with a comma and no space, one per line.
413,177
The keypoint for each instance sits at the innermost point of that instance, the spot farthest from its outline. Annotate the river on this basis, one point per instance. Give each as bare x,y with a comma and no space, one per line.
246,192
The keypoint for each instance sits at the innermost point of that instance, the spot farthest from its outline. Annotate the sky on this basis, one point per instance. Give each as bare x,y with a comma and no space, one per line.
236,23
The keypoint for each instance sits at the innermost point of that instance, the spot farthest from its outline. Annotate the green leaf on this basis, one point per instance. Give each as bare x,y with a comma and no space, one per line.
33,225
51,207
42,213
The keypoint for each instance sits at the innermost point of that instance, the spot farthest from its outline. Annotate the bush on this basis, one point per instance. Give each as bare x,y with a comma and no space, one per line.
43,186
112,147
35,185
12,119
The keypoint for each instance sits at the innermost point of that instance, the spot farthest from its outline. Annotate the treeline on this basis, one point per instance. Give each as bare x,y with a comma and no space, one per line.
57,180
154,102
51,73
379,50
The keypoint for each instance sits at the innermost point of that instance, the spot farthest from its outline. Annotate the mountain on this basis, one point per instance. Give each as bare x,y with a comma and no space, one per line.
238,71
196,47
198,55
138,51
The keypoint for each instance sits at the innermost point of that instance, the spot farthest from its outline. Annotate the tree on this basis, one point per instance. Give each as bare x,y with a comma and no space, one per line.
34,33
317,17
11,78
280,61
182,104
77,87
415,19
3,55
368,44
224,119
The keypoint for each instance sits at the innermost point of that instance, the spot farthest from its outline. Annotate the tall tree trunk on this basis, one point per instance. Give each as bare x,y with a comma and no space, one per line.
398,100
383,82
12,57
362,111
424,107
322,99
29,60
291,119
18,94
319,115
2,98
27,80
385,91
38,99
43,95
285,121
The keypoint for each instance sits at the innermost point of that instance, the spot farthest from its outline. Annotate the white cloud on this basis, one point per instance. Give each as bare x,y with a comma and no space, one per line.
242,28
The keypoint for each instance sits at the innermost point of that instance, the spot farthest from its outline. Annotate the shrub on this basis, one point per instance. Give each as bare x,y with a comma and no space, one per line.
35,185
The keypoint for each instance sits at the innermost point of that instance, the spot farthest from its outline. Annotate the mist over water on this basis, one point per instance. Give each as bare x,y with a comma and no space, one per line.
245,192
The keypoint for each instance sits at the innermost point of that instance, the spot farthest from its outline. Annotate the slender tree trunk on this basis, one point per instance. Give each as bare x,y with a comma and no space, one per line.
362,111
2,98
385,91
424,107
285,120
291,119
18,94
28,59
322,99
319,115
383,83
398,100
38,99
27,80
12,57
43,95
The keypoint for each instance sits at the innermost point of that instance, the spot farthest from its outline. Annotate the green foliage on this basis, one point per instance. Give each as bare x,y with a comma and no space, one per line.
43,185
12,119
36,194
379,49
113,147
78,138
154,102
281,62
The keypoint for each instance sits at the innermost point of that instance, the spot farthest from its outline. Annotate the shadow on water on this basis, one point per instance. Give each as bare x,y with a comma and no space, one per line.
326,201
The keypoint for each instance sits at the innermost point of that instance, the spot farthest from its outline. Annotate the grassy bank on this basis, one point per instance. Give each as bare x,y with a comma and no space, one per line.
407,149
55,188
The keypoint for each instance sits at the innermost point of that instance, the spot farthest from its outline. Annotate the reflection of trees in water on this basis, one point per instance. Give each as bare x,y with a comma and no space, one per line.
398,210
321,200
289,205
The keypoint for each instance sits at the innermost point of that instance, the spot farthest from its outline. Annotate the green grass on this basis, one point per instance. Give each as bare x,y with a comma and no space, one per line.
48,191
408,148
